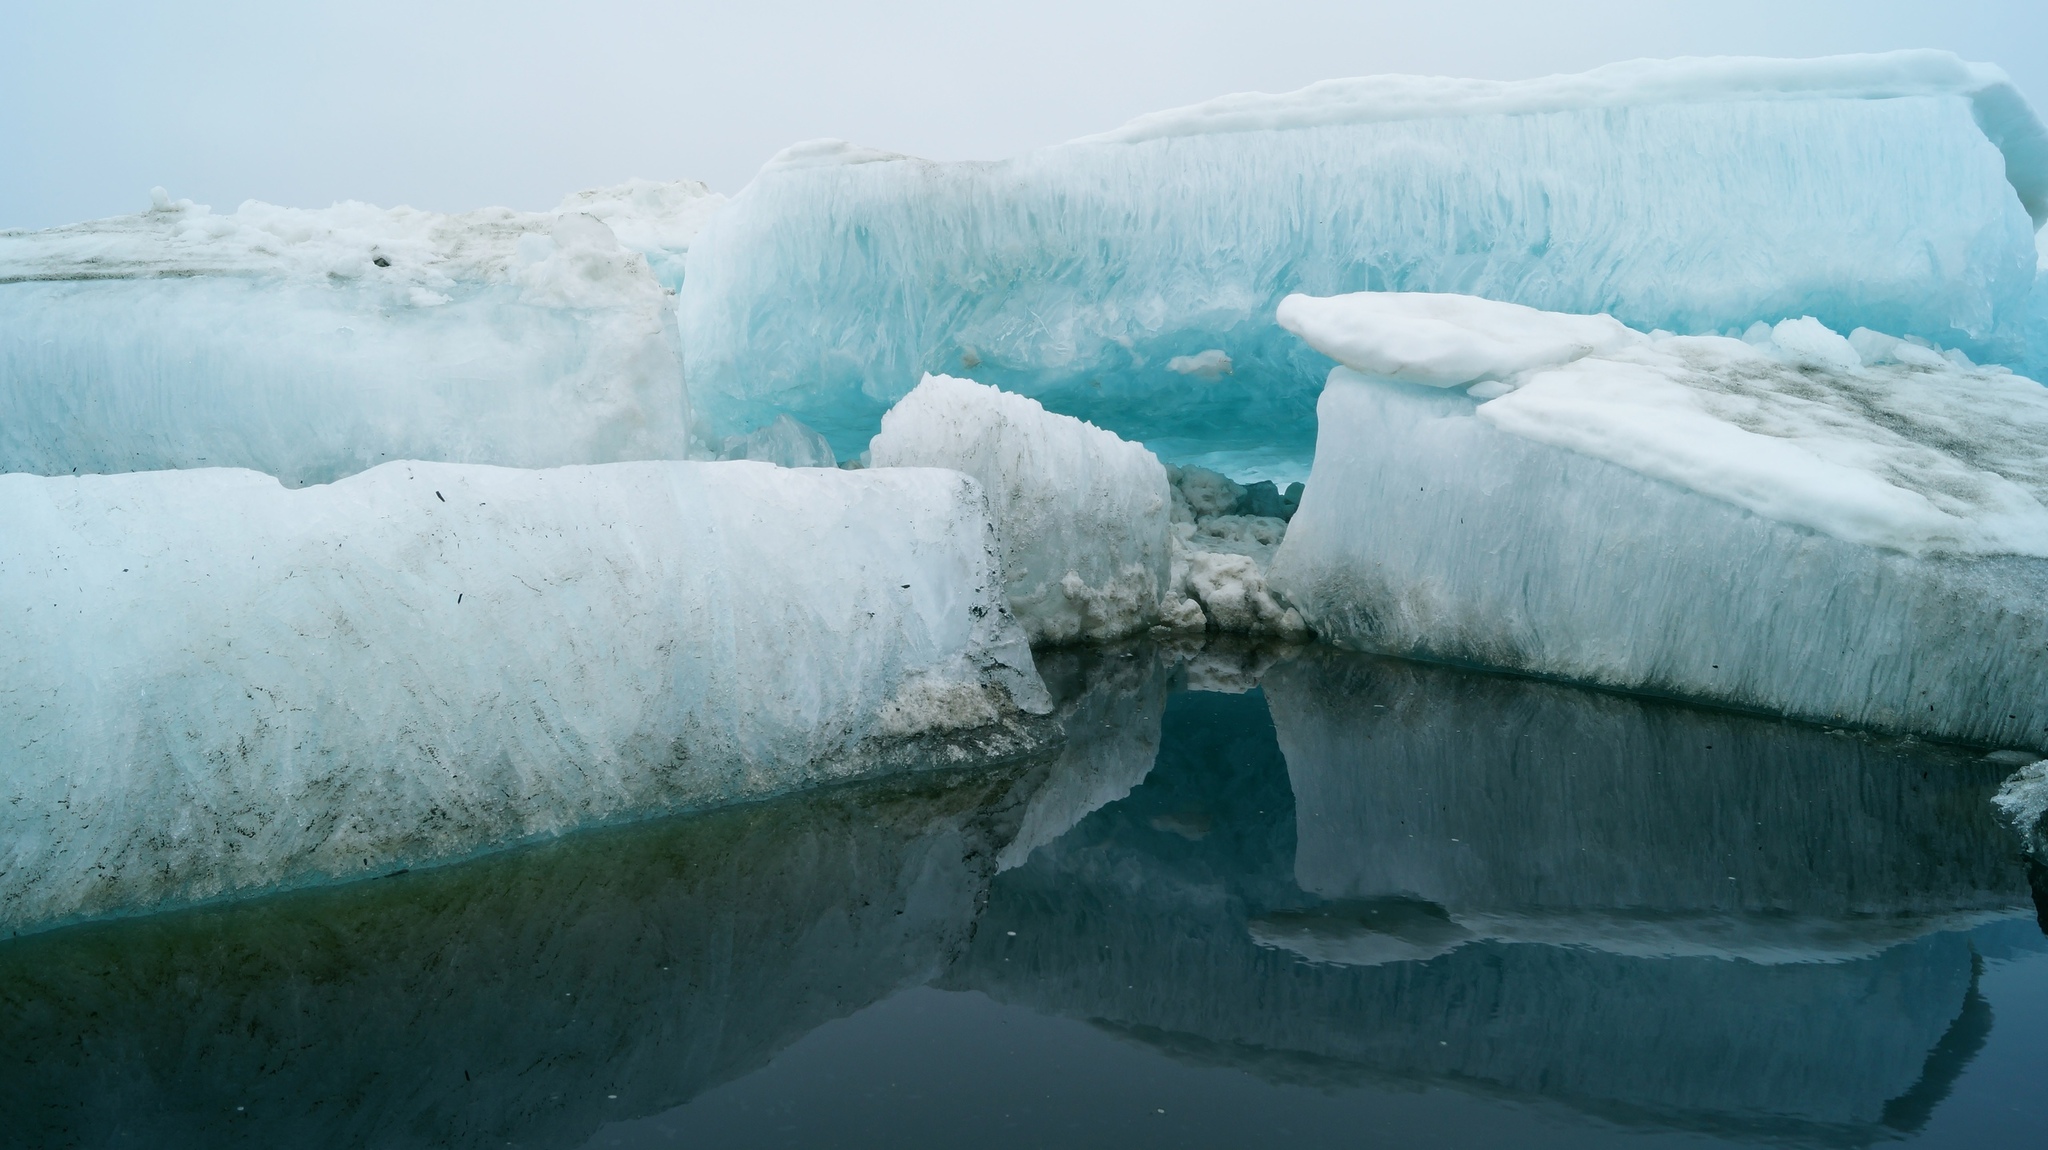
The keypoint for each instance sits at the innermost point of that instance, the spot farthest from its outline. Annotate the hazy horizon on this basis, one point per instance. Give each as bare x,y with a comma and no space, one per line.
467,105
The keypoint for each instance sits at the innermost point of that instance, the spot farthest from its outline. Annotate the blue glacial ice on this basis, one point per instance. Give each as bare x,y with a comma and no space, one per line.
213,683
314,344
1130,278
1844,529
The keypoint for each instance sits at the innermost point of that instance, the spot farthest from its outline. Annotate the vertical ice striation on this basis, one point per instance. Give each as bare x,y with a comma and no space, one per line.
212,683
1114,277
1848,530
314,344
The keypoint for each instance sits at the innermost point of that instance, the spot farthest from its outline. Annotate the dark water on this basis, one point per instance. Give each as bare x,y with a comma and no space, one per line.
1322,900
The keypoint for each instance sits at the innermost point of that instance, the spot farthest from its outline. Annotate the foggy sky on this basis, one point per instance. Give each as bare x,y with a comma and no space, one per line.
460,105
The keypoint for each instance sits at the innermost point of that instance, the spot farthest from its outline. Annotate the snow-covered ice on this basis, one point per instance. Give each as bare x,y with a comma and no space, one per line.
1842,529
311,344
1082,515
213,683
1113,277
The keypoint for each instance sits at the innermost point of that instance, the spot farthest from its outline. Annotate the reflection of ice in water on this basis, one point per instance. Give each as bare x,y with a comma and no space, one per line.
1362,933
1170,877
1562,923
1538,813
526,997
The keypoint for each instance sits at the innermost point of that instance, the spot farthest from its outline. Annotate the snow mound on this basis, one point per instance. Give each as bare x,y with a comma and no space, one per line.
1871,439
1081,514
213,683
311,344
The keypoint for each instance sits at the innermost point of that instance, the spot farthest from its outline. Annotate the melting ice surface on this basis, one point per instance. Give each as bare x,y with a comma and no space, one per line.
1255,895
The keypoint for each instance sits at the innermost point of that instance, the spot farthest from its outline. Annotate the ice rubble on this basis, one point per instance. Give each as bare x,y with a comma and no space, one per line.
1846,530
1099,540
214,683
311,344
2023,801
1113,277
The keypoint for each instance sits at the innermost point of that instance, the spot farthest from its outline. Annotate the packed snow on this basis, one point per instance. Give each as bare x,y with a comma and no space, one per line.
1736,568
311,344
214,683
1111,278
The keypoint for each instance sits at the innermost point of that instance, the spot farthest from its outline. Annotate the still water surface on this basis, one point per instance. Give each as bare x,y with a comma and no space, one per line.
1258,898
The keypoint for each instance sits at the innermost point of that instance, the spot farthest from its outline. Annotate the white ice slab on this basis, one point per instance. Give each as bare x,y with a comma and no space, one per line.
211,683
314,344
1428,529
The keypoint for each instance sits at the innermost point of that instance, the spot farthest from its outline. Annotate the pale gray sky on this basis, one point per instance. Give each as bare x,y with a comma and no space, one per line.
458,105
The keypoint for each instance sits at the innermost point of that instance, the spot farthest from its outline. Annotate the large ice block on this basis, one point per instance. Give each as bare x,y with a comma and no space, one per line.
314,344
1850,531
1081,514
1130,278
212,683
